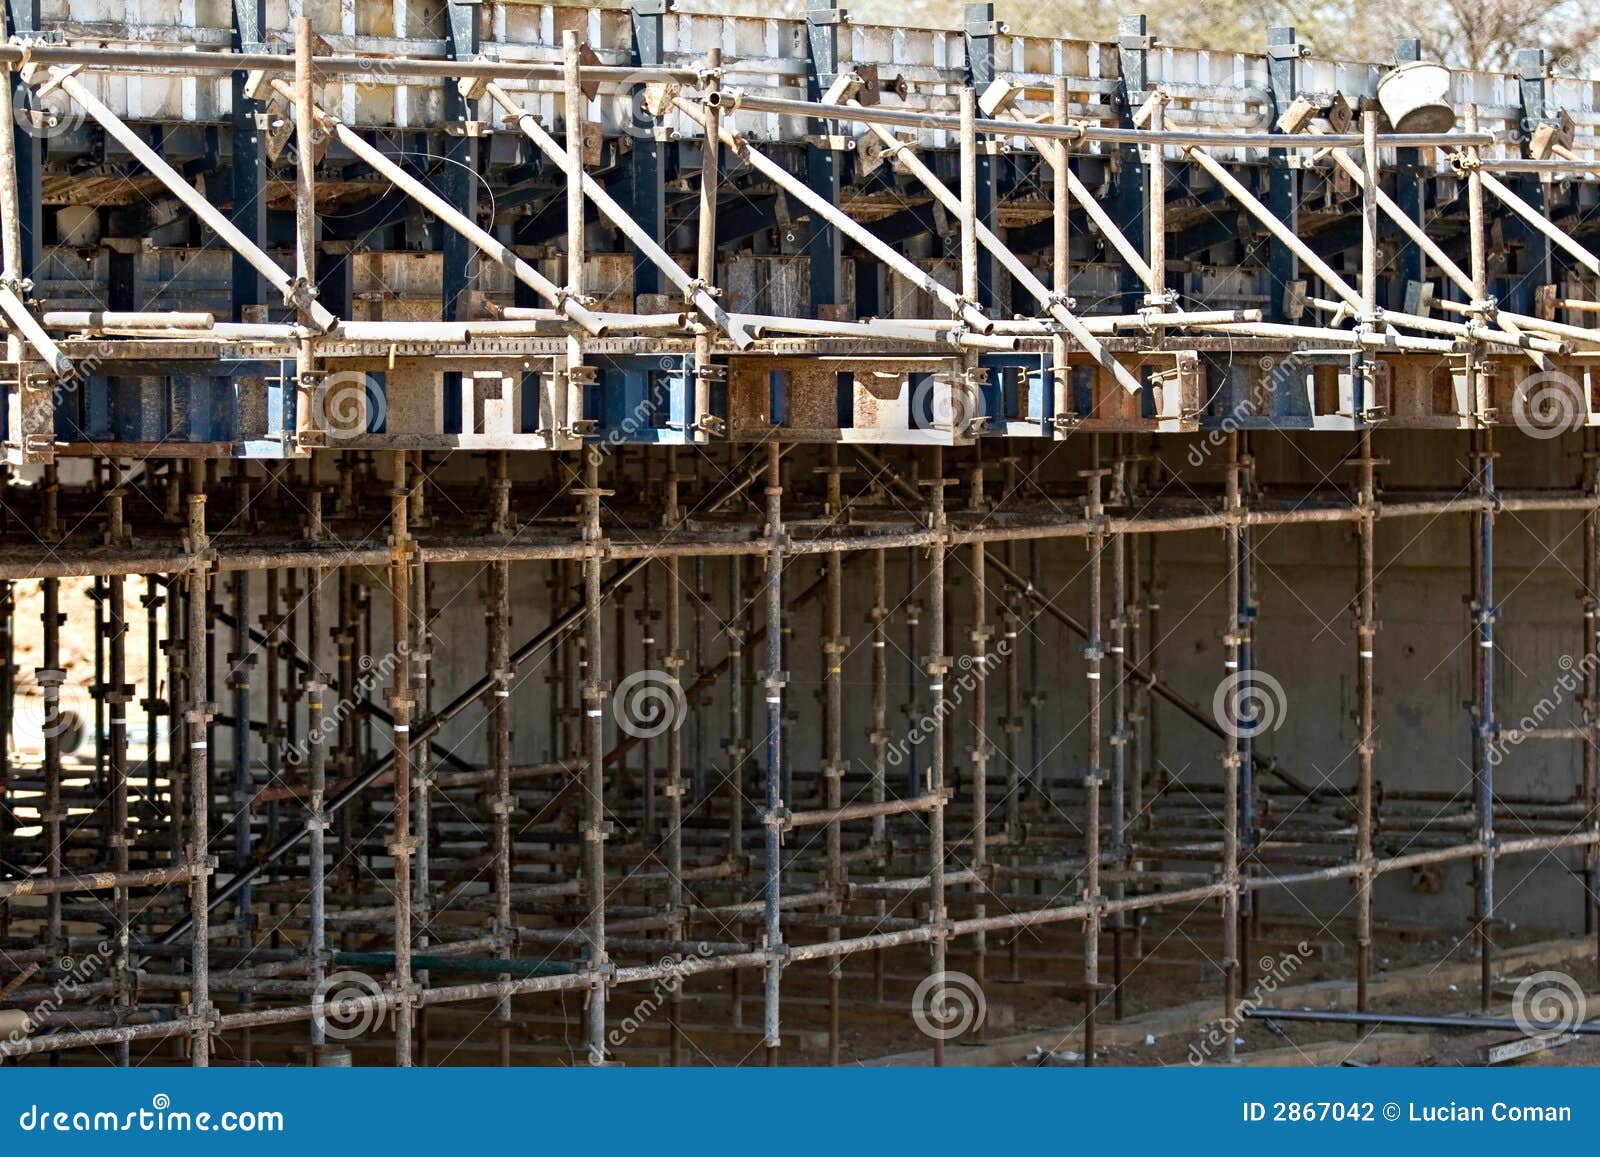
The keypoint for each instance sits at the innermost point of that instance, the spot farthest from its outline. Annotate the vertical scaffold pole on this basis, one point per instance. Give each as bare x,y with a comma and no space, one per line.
774,681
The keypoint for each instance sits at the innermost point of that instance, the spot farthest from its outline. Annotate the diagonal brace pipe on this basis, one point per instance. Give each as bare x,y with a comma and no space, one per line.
696,292
563,300
22,319
778,175
294,292
1052,302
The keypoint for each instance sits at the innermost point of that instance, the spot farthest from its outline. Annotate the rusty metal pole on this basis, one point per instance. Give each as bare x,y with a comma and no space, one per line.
499,706
1591,682
272,623
595,694
422,756
834,647
1484,611
979,754
1012,725
1366,714
774,679
736,749
700,708
197,721
1094,656
401,701
935,667
1121,487
1150,604
1366,616
50,677
676,785
176,648
151,703
1141,734
878,737
1244,628
116,695
314,684
1233,726
241,659
645,616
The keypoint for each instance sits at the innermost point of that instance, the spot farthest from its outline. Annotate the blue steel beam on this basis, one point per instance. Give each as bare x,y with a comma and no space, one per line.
1129,199
459,185
979,30
648,186
824,245
249,163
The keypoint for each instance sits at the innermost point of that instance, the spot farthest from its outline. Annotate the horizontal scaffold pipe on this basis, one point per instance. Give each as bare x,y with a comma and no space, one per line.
229,555
372,68
932,333
732,100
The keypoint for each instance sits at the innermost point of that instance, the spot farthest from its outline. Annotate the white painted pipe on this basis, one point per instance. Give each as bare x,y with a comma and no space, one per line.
1466,330
847,225
933,334
80,319
730,100
1538,220
700,295
981,232
218,222
446,212
1315,336
28,325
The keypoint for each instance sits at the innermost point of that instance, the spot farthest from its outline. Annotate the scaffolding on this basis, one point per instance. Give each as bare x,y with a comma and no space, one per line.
790,298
